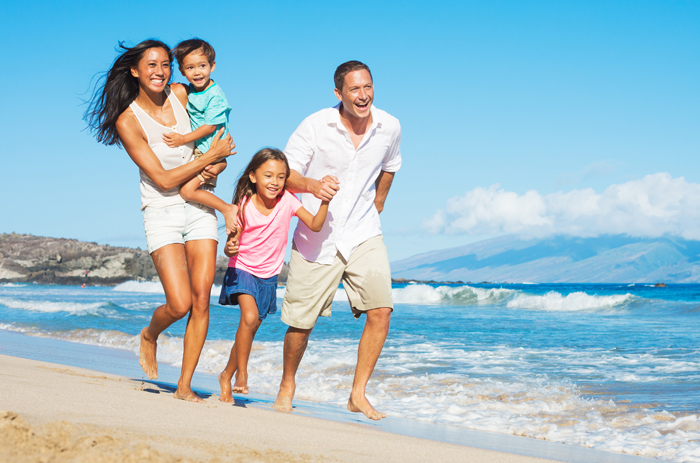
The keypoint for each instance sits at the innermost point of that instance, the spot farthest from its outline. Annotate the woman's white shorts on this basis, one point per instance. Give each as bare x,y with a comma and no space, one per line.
178,224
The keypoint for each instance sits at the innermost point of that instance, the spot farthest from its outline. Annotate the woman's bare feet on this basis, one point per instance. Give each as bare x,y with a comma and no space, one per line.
225,384
147,356
241,384
188,395
283,403
361,405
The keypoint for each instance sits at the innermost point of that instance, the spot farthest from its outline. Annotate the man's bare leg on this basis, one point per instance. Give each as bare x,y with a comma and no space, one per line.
295,342
201,262
171,265
371,345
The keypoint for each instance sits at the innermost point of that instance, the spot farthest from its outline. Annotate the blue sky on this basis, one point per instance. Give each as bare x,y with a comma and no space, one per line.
551,100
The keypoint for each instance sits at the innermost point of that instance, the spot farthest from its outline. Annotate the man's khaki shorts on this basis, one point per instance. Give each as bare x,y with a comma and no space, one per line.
311,286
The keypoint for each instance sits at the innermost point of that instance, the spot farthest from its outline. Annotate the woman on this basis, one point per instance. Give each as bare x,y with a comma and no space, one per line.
134,108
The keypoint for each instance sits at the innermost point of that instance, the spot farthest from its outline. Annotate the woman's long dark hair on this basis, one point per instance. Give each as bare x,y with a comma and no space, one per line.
245,188
115,91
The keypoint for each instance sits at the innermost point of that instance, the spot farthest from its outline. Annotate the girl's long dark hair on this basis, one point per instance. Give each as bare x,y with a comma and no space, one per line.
245,188
115,91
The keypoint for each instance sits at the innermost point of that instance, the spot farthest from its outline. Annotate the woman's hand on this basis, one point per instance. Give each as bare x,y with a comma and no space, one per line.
220,148
212,171
231,248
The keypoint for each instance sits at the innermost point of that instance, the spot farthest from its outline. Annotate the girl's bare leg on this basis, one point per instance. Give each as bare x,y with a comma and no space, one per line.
201,262
171,265
226,375
247,328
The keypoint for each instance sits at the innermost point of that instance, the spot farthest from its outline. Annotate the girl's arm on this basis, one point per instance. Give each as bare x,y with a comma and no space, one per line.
174,139
314,222
134,141
231,248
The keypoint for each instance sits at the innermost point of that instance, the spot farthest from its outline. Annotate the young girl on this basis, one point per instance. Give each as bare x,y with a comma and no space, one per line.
265,209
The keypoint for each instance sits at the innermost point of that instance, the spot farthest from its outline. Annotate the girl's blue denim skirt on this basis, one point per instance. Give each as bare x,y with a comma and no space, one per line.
263,290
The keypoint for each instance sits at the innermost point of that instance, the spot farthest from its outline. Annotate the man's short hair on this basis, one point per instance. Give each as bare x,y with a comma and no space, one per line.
186,47
346,68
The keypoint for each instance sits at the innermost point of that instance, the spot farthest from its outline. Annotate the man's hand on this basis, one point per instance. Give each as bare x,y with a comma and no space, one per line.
325,188
173,139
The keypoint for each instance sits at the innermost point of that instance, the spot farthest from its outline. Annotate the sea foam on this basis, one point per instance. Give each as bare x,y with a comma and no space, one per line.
72,308
573,302
152,287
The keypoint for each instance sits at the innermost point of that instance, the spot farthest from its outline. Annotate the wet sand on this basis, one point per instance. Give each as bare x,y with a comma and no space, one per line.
56,413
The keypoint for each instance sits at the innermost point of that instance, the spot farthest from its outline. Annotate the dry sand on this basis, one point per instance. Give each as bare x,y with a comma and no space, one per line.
53,413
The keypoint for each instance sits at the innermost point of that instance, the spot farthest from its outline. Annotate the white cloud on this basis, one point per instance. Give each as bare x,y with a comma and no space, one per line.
652,206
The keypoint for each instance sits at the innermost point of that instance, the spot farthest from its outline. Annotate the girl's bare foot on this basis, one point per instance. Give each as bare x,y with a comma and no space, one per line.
241,384
225,384
188,395
147,356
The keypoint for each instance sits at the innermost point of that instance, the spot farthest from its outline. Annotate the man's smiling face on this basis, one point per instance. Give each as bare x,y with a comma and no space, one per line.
357,94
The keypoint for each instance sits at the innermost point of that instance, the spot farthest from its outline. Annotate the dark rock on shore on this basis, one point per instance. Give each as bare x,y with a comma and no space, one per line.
35,259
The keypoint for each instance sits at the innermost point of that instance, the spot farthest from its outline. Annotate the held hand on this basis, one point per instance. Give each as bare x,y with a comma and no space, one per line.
231,248
221,148
231,219
325,188
173,139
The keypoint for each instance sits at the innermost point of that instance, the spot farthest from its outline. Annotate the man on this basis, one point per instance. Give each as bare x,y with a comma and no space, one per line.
348,153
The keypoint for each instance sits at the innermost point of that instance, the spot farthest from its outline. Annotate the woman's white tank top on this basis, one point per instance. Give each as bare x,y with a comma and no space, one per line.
169,158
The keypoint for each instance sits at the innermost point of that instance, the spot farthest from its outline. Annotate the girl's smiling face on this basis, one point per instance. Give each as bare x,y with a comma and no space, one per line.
269,179
153,70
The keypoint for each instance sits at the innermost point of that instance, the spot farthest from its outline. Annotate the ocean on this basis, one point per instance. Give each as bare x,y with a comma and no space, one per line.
610,367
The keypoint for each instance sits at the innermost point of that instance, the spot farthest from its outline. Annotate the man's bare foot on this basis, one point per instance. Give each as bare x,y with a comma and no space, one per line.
363,406
187,395
283,402
147,356
225,389
241,385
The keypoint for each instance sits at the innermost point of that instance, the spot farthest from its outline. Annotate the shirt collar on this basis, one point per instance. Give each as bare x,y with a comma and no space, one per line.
334,118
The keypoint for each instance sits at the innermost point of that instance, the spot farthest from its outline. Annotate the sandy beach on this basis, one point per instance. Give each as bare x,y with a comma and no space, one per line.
52,412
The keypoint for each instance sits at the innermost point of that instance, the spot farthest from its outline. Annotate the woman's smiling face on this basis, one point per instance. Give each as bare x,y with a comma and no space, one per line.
153,70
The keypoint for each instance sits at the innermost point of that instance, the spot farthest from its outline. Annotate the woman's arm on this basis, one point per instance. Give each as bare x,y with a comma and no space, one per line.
314,222
134,141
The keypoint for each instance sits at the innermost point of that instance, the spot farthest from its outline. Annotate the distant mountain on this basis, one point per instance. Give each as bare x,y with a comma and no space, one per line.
606,259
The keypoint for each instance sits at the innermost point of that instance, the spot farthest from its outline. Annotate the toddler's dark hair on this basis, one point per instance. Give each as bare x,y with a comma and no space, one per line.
186,47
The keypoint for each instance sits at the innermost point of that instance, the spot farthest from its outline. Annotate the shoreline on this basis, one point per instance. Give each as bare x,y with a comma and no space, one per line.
20,354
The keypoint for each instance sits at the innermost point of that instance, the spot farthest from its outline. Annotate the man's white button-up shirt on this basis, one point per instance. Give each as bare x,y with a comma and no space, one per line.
321,146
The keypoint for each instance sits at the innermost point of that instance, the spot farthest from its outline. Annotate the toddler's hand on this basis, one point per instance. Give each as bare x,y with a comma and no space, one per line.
173,139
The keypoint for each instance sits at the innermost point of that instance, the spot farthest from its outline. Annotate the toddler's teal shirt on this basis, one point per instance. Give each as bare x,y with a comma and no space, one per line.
209,107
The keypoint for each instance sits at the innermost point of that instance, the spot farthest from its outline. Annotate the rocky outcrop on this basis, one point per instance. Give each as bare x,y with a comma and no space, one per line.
28,258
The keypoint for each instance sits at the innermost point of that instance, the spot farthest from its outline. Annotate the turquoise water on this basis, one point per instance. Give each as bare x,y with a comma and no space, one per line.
612,367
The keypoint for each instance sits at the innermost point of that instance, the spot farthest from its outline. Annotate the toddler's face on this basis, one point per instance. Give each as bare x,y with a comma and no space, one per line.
196,69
